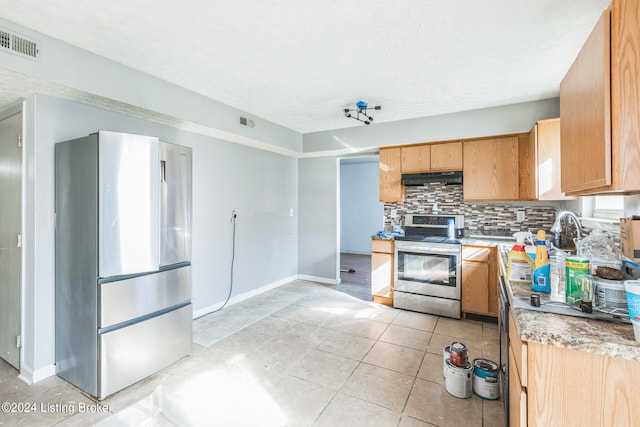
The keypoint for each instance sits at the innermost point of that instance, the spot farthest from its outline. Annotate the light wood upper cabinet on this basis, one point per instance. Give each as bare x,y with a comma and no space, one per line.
528,170
540,163
491,169
416,159
436,157
599,104
391,188
547,138
446,157
585,110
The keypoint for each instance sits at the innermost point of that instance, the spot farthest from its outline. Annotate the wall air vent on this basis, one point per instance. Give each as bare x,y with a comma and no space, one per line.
19,45
247,122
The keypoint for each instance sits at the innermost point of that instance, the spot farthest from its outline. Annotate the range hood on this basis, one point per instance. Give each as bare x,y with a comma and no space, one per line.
416,179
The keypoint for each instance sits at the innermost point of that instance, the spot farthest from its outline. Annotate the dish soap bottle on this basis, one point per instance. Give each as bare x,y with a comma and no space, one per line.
519,264
542,270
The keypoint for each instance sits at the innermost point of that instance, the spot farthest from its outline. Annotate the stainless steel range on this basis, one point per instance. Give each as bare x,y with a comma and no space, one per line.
428,261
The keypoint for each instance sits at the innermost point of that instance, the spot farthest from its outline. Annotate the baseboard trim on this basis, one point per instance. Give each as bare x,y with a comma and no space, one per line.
238,298
30,376
318,279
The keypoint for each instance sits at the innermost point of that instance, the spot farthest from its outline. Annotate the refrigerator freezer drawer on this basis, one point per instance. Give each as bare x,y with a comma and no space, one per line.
130,354
131,298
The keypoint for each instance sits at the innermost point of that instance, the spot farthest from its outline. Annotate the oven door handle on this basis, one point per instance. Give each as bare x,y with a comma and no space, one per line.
430,251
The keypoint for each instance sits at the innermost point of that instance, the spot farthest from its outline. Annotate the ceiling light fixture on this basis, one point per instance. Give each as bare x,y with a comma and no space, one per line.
361,109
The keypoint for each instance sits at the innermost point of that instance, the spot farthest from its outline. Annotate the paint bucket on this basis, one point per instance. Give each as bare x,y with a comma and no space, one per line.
445,358
633,303
458,355
575,267
486,382
458,381
610,293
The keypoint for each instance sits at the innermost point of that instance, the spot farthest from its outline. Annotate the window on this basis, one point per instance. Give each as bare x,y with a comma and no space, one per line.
605,207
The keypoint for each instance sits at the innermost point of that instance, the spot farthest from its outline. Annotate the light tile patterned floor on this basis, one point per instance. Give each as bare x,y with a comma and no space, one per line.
303,354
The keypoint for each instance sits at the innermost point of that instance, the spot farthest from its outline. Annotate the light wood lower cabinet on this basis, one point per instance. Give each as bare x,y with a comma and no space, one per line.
382,271
517,396
479,280
555,386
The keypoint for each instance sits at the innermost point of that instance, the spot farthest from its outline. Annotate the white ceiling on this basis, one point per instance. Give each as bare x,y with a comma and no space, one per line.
298,63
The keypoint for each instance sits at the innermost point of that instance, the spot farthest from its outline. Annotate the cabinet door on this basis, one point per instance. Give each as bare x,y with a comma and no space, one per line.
475,287
446,157
548,143
381,275
491,169
625,93
391,188
416,159
517,397
585,110
528,162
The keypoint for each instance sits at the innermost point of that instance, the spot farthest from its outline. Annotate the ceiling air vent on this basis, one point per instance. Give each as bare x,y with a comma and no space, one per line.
14,43
247,122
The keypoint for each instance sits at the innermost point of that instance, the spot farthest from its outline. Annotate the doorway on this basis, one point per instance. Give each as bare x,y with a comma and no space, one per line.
360,217
10,234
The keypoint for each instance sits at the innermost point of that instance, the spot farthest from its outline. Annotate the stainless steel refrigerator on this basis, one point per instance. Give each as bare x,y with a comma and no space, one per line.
123,259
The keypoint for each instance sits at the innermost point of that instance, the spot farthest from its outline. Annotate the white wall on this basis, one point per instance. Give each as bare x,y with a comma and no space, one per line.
360,208
66,71
503,120
261,186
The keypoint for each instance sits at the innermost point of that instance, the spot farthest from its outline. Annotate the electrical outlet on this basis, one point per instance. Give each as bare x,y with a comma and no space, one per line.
520,216
394,213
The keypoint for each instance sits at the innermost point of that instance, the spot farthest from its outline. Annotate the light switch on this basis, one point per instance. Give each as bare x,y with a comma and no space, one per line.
290,211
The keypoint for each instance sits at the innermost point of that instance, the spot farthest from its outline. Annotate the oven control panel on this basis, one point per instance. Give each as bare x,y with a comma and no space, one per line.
439,221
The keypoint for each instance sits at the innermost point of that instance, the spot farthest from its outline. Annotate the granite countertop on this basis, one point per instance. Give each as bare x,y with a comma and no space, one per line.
610,338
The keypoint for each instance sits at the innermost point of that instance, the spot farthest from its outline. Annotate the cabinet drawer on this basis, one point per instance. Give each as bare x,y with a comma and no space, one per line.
384,246
519,350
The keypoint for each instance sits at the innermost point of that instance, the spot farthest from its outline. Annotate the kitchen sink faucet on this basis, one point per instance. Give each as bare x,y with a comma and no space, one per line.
556,228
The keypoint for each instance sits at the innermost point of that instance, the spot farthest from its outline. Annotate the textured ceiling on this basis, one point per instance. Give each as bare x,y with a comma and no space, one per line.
298,63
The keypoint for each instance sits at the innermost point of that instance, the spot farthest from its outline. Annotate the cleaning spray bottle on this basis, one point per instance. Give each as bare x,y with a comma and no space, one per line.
519,264
542,270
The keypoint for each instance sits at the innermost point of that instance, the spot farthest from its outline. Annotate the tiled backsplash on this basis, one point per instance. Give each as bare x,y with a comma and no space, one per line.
480,218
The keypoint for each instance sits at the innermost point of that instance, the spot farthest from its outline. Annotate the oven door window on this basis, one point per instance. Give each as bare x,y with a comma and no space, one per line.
427,268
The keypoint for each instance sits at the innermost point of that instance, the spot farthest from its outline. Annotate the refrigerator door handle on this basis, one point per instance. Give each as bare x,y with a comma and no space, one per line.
163,171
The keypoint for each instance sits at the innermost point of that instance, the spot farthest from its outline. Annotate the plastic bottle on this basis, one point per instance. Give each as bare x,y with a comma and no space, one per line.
542,270
519,264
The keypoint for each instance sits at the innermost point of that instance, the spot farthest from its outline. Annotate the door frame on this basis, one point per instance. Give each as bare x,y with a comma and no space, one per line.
5,114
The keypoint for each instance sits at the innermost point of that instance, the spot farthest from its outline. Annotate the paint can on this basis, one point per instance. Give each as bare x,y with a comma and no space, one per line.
445,358
458,355
575,267
458,381
610,293
486,382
